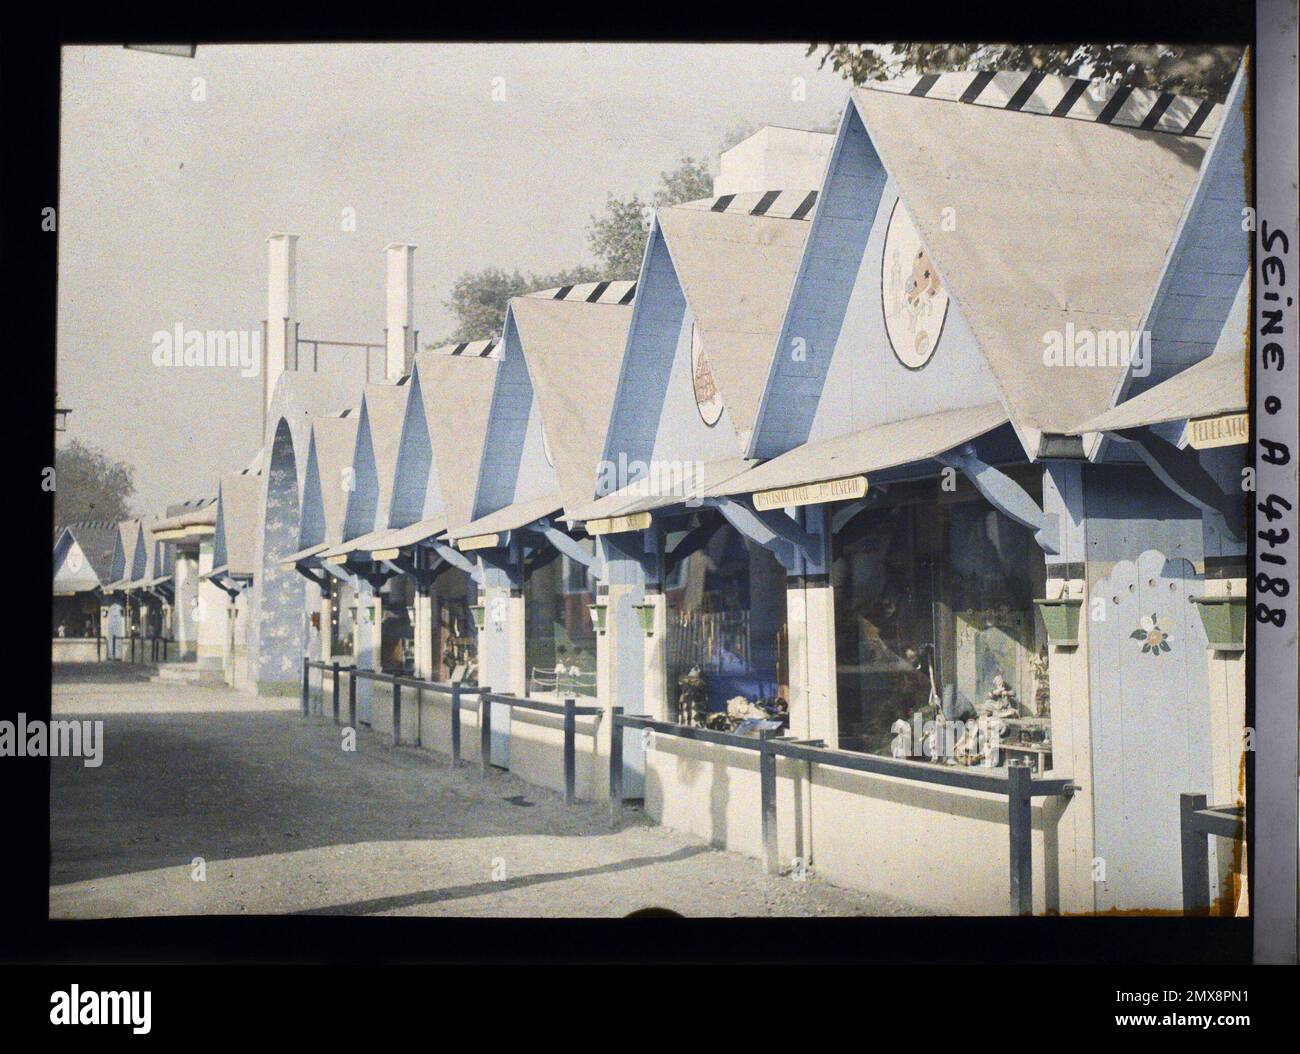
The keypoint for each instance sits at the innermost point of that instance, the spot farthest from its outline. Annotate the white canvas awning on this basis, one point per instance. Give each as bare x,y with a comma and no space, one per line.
304,554
1216,385
869,450
652,492
511,518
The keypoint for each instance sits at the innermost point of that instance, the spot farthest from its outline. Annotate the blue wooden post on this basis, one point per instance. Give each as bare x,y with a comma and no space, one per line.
455,725
1195,856
397,713
1019,824
570,754
485,732
767,794
616,767
306,684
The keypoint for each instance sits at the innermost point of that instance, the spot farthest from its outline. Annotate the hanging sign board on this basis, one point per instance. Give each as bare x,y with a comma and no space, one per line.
1224,430
479,541
846,489
636,521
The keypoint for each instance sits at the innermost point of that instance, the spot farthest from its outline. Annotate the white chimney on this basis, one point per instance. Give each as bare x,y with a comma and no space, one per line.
281,312
774,159
399,335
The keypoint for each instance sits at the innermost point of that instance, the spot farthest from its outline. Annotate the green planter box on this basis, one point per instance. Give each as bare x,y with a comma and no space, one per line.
646,612
1061,617
1224,619
479,614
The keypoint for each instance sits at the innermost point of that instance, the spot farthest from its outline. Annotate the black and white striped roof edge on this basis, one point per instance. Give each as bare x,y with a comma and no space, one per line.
1074,98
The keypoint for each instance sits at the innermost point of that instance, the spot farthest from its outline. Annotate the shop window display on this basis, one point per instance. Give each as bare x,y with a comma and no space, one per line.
935,623
560,640
727,634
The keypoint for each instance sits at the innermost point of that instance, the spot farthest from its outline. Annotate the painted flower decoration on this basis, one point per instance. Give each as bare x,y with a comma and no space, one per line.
1154,639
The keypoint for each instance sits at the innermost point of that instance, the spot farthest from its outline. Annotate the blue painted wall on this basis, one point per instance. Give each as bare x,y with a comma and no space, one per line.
655,415
1150,711
311,530
514,466
1209,257
362,515
417,494
848,377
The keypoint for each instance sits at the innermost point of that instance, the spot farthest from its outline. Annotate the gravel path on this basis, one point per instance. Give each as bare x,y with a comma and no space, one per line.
285,821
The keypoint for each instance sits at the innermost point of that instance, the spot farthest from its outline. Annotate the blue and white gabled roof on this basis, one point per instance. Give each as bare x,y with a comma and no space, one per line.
1073,98
612,292
1024,245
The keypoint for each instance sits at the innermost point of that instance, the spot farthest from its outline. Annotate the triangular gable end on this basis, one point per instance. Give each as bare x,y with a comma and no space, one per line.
311,528
374,459
871,332
330,459
220,549
574,349
515,466
663,414
1021,256
1204,292
736,267
140,554
417,494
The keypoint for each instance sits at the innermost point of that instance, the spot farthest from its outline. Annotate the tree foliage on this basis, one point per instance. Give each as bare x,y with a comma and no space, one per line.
616,237
89,485
1203,71
479,298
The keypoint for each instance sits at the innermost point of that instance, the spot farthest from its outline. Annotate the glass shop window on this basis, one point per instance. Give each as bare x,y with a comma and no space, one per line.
343,620
455,638
726,612
934,617
397,632
559,637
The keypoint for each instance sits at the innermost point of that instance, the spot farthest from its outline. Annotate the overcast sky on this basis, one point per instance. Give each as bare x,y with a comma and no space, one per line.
166,200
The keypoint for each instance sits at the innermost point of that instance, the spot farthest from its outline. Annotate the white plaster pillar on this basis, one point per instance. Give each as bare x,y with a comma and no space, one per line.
1070,700
281,313
399,335
326,640
186,603
655,659
213,603
366,642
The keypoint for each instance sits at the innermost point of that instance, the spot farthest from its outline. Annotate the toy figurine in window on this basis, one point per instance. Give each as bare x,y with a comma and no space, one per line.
693,699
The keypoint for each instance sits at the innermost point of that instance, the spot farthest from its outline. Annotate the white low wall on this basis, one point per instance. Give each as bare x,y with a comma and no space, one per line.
941,849
78,649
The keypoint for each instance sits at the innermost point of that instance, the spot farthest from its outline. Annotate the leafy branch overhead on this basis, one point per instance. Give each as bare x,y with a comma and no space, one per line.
1202,71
